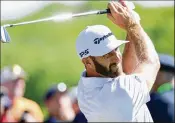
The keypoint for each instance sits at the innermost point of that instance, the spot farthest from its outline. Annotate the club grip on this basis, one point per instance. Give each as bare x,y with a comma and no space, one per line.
104,11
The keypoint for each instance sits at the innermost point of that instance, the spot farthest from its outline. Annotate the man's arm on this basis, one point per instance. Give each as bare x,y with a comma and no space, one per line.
144,49
130,61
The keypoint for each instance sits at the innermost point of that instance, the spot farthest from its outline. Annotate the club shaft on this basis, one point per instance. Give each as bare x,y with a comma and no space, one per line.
51,18
84,14
92,13
28,22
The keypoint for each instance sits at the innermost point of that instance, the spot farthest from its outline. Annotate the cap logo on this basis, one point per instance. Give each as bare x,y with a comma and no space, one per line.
85,52
98,40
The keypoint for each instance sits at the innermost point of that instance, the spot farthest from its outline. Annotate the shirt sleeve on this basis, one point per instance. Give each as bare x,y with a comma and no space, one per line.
136,87
122,97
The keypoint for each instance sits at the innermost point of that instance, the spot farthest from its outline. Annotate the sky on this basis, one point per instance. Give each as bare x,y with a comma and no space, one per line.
11,10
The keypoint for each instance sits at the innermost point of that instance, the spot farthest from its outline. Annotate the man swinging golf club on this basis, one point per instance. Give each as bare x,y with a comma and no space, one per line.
115,88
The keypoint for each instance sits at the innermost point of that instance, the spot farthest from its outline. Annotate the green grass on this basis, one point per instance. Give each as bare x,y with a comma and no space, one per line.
47,50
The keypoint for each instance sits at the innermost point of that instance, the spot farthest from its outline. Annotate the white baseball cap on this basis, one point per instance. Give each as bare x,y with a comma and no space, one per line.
96,40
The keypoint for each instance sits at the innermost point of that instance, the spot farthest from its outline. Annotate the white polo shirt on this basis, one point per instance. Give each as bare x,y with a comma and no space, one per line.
121,99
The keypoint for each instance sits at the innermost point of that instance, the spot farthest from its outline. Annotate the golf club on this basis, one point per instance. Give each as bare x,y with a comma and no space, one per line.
5,37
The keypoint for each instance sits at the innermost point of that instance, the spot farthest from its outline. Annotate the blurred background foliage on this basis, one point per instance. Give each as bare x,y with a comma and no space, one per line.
47,50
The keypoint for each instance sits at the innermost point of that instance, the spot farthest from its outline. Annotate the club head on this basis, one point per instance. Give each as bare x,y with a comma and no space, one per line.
5,37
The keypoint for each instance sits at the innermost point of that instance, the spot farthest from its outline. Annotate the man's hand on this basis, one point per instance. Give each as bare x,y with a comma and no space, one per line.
121,15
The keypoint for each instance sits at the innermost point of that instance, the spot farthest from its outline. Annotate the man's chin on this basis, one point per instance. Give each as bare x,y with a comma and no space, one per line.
114,72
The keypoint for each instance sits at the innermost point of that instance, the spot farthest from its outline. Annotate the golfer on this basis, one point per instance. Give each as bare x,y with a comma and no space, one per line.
115,87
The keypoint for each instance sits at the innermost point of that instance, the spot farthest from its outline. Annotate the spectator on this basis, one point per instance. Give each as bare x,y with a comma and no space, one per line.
79,118
161,105
5,105
58,104
165,76
13,78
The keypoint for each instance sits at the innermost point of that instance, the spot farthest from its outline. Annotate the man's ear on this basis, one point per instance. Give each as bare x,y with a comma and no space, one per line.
88,62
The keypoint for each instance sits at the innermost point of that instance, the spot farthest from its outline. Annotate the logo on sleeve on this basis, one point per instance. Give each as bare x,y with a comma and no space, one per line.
138,79
98,40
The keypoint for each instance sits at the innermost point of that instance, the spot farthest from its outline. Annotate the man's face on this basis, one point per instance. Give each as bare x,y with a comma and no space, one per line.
164,77
19,87
15,88
53,104
60,105
108,65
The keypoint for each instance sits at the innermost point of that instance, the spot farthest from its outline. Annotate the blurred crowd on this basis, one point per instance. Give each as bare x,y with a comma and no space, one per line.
61,102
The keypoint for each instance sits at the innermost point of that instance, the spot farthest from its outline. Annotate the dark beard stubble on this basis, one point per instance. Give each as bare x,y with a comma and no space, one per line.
104,71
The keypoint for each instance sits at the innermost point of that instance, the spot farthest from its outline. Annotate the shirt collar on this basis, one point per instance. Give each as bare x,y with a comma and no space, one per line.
94,81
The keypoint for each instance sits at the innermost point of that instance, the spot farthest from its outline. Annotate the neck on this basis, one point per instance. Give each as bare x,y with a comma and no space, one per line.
160,80
162,88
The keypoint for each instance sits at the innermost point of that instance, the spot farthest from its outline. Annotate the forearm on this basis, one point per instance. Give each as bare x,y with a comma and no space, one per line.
130,61
146,54
144,48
